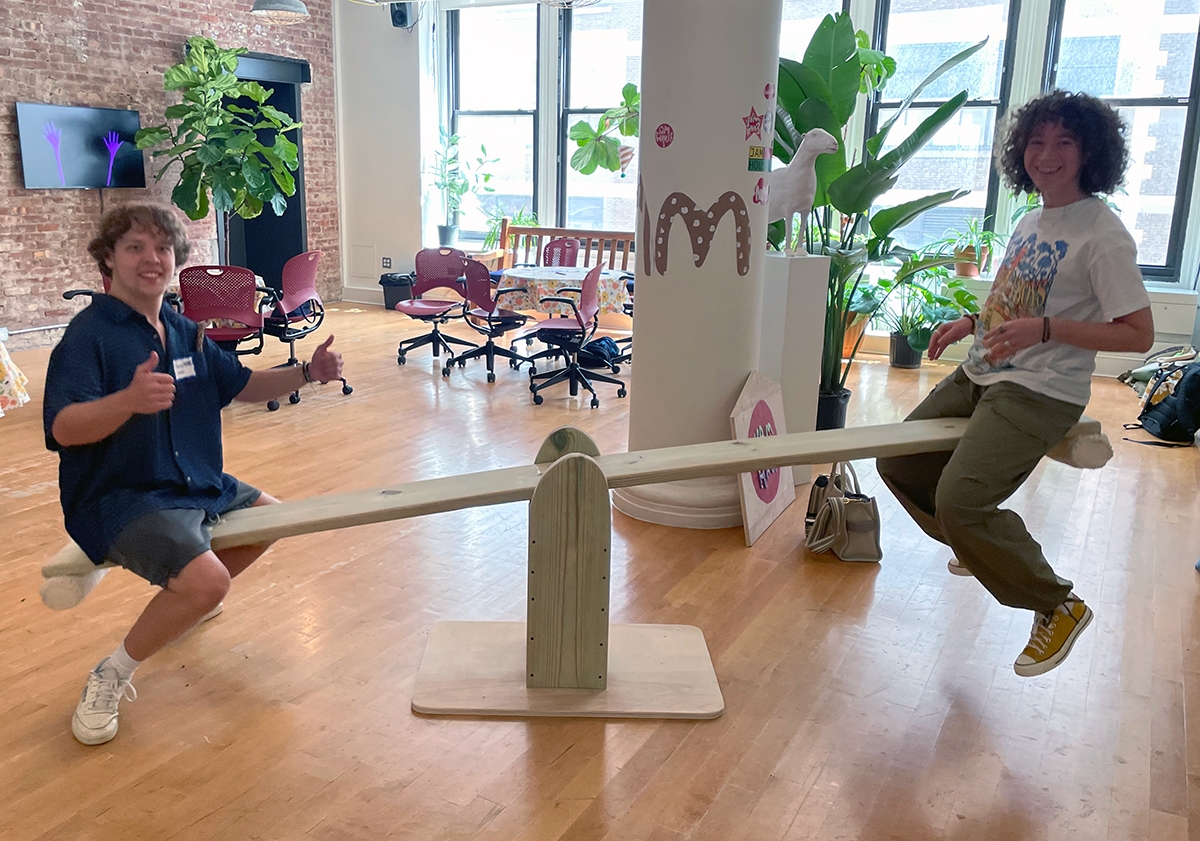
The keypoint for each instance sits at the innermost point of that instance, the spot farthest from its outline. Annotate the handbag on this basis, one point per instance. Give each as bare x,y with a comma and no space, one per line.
846,520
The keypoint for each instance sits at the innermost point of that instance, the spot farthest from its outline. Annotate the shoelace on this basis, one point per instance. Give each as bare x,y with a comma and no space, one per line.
1043,631
105,692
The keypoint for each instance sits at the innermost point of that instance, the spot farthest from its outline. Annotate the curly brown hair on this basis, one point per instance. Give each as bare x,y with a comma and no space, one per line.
156,217
1099,130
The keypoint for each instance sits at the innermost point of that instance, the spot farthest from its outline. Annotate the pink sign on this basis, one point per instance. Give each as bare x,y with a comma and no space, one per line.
762,424
664,135
769,90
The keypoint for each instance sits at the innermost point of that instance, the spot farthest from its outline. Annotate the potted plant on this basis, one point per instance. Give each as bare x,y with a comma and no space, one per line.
910,310
455,179
598,149
973,248
822,91
216,139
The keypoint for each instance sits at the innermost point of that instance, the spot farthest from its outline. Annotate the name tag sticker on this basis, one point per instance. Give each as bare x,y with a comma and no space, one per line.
184,368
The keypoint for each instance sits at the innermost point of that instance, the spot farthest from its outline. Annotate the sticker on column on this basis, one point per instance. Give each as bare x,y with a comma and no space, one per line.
754,124
762,192
757,161
664,135
702,227
768,91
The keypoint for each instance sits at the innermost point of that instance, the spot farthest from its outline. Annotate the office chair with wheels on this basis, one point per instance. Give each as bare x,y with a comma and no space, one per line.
228,296
570,333
435,268
488,318
296,310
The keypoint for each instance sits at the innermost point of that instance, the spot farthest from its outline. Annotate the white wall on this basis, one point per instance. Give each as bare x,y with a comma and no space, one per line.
379,149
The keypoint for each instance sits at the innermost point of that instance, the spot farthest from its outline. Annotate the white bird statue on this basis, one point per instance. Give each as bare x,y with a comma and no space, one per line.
793,188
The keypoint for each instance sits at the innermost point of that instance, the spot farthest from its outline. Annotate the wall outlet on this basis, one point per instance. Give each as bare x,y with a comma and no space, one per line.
387,262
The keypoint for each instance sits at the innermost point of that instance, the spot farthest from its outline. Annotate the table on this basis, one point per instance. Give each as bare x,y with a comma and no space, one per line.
544,281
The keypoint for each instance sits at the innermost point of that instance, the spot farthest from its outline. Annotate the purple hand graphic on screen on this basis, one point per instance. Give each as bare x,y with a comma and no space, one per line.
112,142
52,135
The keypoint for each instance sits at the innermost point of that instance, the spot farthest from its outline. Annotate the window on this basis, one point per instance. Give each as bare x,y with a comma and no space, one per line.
1139,58
800,21
914,32
603,52
495,111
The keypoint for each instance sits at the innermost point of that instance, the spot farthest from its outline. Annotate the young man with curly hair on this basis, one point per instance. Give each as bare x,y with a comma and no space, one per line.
1068,286
133,401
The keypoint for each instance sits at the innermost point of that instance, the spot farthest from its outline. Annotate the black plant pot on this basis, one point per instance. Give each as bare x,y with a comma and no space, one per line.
903,356
831,409
448,235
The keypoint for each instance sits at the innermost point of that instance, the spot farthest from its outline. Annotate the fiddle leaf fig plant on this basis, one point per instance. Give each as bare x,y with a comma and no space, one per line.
215,140
598,149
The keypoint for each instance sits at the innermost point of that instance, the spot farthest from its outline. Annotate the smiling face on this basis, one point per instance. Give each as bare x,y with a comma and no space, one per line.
1053,158
142,263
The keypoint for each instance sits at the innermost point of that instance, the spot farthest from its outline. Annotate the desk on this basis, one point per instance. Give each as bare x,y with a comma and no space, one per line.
545,281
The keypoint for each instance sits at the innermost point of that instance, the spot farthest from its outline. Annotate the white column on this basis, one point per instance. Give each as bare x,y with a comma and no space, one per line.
709,69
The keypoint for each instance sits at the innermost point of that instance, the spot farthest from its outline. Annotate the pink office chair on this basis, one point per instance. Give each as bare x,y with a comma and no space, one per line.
570,333
435,268
561,252
296,310
488,318
224,294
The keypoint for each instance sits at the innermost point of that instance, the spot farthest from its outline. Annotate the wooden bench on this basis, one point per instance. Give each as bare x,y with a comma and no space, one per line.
521,244
492,668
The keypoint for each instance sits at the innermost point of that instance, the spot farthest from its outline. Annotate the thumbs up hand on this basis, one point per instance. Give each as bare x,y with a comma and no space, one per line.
326,364
149,391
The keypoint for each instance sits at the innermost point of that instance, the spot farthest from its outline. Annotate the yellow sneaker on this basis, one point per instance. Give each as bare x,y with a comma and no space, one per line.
1052,636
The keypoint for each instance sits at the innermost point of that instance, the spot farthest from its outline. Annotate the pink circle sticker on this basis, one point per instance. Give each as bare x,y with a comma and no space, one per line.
769,91
664,135
762,424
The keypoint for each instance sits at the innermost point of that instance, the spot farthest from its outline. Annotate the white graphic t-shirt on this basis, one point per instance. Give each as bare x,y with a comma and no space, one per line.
1076,262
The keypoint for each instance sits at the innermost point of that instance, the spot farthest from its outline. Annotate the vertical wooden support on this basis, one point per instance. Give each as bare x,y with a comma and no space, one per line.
565,439
570,534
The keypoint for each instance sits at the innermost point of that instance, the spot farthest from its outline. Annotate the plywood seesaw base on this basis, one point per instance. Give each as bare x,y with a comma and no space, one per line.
655,671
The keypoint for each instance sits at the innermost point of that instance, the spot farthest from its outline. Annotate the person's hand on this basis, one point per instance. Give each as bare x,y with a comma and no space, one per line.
325,364
149,391
1011,336
947,334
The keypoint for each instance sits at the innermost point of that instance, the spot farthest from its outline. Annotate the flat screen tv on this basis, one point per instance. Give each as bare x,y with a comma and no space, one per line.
71,146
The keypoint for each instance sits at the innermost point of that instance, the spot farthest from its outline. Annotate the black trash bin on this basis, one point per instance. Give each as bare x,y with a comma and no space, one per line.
397,287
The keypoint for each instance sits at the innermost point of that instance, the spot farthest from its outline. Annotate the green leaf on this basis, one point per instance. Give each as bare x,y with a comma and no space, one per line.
278,204
884,222
285,181
210,153
177,112
918,338
921,135
582,132
287,152
833,53
188,195
875,143
151,136
279,118
250,207
253,175
255,91
586,159
178,76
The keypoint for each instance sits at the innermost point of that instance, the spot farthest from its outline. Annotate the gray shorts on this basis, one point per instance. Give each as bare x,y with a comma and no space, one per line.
157,546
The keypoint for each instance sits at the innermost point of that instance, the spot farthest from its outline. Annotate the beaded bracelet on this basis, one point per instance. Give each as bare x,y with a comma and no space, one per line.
974,320
307,376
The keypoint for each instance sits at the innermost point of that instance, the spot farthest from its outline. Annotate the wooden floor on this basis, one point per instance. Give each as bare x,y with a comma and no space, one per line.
862,701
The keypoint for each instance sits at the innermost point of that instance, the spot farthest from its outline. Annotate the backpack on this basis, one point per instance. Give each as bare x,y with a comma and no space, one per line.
599,353
1174,419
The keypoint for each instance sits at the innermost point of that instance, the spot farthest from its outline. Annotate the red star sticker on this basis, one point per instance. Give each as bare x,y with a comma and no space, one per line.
754,124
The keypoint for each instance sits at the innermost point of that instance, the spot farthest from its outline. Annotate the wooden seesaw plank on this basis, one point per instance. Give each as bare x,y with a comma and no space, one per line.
516,484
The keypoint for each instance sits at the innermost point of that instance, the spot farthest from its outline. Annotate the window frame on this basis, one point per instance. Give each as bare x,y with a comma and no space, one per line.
1172,271
453,90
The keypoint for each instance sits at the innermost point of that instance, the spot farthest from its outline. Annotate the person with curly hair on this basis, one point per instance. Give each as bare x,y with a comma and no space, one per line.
132,406
1068,286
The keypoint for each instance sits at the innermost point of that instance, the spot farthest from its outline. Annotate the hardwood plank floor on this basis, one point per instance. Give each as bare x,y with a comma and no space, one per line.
862,701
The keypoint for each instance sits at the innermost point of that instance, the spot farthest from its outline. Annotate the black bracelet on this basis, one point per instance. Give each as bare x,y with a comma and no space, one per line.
1045,329
307,376
974,317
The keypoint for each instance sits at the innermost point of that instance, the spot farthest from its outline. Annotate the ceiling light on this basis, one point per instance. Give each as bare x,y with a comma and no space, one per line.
281,12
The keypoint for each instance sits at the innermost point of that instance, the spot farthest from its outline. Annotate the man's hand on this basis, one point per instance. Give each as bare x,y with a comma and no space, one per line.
149,392
325,364
1011,336
947,334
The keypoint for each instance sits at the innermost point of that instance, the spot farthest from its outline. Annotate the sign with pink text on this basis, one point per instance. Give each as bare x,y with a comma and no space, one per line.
765,493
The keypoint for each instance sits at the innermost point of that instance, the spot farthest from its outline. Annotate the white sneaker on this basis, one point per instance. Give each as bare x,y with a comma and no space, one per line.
957,567
95,719
215,612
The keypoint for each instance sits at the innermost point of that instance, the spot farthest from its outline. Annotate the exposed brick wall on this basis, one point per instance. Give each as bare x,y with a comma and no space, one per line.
112,55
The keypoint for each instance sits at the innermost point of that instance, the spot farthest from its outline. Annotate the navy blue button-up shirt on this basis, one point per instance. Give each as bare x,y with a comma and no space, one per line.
171,459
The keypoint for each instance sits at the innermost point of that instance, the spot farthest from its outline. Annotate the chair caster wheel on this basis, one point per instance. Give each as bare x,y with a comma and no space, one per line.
537,399
462,363
347,389
532,370
491,377
273,406
293,399
400,359
621,392
595,402
616,369
446,371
